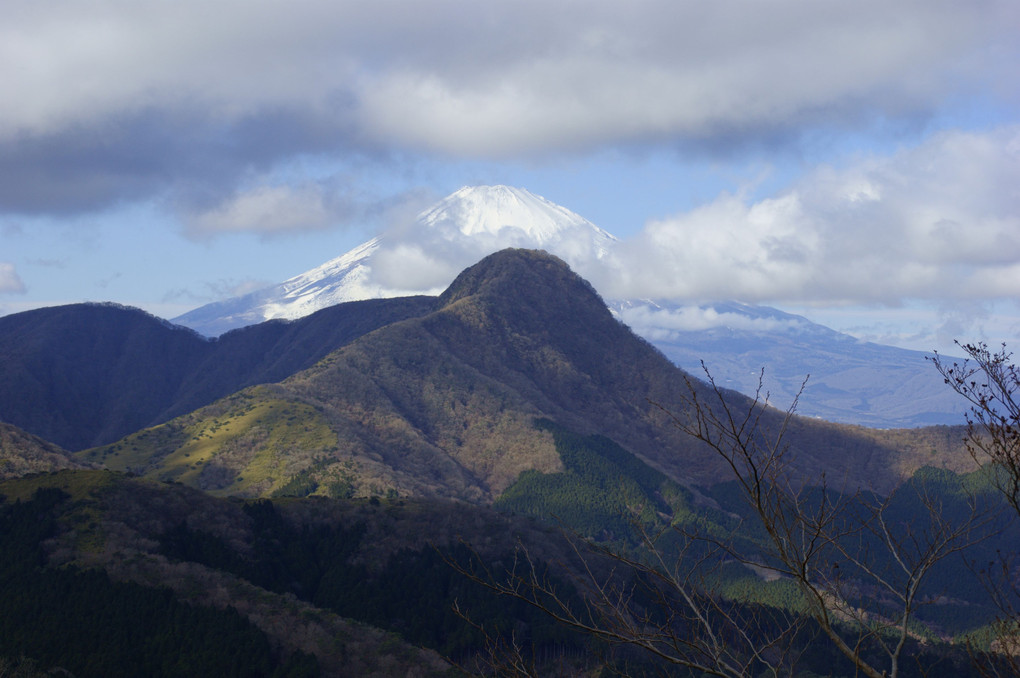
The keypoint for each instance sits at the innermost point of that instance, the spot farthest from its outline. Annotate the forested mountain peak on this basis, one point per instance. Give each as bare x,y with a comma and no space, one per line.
532,277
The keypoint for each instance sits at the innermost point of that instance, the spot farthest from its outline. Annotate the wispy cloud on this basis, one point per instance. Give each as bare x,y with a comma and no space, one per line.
10,282
269,210
212,291
666,323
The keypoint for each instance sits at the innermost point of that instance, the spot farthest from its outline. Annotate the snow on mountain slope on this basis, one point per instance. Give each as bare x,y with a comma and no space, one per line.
421,258
338,280
513,214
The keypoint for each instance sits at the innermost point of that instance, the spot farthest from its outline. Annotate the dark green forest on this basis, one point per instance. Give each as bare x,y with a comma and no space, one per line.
83,622
409,591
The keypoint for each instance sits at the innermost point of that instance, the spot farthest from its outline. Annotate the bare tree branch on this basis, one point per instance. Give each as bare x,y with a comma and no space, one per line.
990,382
859,570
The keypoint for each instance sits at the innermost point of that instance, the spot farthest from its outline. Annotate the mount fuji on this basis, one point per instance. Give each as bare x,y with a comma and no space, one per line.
421,258
851,381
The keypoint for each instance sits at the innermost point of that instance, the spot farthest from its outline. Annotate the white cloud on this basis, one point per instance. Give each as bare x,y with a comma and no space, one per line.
925,325
665,323
10,282
428,259
939,221
408,266
268,210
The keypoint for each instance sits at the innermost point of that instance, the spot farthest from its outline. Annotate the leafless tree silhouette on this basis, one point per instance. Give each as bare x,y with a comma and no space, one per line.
990,381
857,568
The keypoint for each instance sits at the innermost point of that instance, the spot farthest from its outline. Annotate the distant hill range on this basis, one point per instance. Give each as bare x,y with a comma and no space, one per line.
848,380
412,396
851,381
87,374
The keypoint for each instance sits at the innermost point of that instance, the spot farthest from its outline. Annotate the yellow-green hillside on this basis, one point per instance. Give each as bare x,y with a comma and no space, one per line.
251,443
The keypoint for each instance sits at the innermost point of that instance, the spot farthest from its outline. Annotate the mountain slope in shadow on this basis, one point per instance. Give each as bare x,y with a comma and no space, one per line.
87,374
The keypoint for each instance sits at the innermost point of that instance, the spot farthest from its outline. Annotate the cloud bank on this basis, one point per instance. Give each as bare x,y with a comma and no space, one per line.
663,324
125,100
940,221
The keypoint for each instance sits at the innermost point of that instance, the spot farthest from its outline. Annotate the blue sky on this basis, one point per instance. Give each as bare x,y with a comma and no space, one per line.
857,162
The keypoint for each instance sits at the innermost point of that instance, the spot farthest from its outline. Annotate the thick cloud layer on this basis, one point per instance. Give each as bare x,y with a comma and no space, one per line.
124,100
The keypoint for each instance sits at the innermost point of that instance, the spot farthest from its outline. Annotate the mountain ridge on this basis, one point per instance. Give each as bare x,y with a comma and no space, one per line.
87,374
445,404
851,382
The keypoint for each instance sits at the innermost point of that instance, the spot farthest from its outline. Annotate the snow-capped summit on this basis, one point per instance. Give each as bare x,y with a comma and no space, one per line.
419,258
513,212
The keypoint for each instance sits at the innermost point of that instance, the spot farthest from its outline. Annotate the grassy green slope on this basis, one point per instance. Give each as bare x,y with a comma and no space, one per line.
251,443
